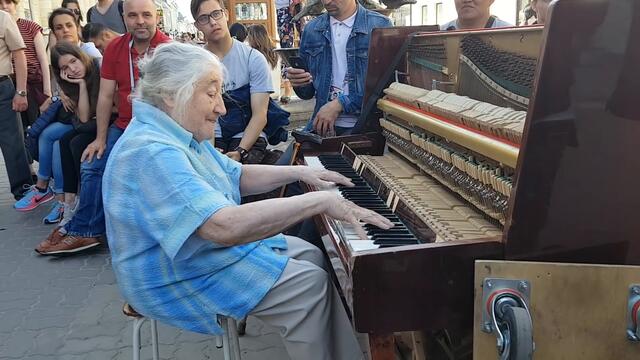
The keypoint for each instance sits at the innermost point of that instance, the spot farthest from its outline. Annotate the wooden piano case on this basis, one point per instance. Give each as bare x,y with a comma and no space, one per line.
574,195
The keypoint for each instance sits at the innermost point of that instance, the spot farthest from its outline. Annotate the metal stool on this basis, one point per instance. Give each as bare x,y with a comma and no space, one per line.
227,341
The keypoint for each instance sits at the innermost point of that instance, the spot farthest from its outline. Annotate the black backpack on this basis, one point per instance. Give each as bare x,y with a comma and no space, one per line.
120,10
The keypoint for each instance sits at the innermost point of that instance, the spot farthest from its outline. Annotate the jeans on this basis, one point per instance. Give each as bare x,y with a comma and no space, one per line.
89,218
49,153
12,141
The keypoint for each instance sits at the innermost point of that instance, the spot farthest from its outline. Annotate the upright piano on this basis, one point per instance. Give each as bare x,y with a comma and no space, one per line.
493,149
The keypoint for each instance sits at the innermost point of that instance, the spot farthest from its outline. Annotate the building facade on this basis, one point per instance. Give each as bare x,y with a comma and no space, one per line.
39,10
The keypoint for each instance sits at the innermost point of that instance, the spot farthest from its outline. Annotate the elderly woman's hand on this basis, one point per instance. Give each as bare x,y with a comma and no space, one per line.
322,178
342,209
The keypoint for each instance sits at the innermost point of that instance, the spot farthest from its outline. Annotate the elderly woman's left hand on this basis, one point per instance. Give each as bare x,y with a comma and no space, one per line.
322,178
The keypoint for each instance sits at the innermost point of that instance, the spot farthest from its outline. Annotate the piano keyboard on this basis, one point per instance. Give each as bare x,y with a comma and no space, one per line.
363,195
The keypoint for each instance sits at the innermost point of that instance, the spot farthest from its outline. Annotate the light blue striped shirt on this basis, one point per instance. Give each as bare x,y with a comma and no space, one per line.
159,186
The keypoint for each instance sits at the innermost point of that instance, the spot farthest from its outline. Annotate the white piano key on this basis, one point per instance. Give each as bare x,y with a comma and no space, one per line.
345,231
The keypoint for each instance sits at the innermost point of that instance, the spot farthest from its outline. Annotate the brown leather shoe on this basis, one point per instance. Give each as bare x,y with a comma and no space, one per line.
54,238
68,244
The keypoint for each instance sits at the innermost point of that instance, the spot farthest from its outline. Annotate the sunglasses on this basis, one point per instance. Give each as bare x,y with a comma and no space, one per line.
215,15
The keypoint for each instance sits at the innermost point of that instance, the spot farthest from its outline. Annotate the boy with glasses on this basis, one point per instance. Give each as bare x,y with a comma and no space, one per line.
246,68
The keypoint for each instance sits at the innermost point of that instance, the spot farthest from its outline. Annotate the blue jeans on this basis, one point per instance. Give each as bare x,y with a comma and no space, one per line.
12,141
89,218
49,153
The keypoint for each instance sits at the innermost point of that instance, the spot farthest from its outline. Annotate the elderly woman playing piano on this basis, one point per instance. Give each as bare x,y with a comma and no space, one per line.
185,251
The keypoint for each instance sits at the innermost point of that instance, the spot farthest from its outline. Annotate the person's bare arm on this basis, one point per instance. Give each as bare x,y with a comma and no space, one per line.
41,54
258,179
259,106
103,114
20,68
258,220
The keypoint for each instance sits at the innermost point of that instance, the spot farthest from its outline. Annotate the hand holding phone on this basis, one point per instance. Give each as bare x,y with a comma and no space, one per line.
297,62
298,73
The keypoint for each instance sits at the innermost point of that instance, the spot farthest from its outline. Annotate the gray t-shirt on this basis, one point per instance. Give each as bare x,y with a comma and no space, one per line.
111,19
245,65
453,24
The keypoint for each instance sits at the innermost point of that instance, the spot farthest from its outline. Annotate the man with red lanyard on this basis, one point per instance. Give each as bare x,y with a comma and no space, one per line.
119,70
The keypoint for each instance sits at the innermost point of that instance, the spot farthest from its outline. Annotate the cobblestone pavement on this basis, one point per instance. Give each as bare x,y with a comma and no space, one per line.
70,308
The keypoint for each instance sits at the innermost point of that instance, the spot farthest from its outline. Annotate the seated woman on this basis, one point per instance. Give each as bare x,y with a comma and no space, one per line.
65,26
184,250
67,59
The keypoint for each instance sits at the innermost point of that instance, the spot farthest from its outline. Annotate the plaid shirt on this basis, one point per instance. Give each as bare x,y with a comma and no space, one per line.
159,186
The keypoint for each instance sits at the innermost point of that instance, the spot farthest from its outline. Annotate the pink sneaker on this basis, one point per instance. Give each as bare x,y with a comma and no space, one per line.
33,198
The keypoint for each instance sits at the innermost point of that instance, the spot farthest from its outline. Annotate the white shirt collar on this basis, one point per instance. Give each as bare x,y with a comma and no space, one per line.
348,22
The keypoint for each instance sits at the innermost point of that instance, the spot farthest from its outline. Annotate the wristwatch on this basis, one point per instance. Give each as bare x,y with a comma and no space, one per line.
243,153
21,92
54,98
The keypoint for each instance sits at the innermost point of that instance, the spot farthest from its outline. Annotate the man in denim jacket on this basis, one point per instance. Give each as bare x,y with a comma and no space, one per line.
335,48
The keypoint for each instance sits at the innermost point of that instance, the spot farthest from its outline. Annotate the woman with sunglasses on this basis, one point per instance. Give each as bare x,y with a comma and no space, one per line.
74,6
64,26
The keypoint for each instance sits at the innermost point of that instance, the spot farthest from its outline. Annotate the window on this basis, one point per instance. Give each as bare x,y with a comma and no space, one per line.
438,12
425,20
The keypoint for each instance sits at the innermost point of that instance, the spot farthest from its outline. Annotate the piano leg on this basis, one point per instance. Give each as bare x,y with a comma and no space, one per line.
382,346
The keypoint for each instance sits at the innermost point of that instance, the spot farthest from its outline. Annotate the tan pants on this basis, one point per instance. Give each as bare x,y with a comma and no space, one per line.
306,309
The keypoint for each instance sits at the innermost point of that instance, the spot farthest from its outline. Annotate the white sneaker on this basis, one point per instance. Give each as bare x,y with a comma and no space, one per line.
69,212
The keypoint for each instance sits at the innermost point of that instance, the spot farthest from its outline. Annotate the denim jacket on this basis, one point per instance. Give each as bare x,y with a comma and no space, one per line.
315,50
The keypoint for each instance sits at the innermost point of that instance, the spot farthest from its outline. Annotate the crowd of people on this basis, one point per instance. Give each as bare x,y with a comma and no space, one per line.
136,146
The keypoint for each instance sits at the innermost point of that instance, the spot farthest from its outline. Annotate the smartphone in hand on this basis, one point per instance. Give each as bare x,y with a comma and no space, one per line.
298,63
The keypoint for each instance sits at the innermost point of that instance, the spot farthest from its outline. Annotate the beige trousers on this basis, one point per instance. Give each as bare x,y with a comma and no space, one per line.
306,309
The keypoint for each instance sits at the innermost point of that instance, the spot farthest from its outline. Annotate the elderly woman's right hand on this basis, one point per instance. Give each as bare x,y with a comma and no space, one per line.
298,77
342,209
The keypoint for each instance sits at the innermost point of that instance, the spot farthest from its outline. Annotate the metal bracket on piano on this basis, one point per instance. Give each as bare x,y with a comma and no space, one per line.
435,83
400,73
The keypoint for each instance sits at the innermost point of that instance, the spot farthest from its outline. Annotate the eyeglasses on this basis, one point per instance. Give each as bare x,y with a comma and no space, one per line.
75,11
215,15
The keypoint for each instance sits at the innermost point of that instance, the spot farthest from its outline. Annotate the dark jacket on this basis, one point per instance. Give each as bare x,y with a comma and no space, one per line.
238,104
315,50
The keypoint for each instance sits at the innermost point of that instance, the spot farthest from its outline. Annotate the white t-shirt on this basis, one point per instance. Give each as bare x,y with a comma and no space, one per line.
90,49
245,65
340,32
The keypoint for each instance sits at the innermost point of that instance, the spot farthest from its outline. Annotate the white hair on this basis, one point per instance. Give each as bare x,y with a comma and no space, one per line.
172,72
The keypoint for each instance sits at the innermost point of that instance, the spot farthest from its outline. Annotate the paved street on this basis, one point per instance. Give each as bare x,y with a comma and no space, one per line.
70,308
